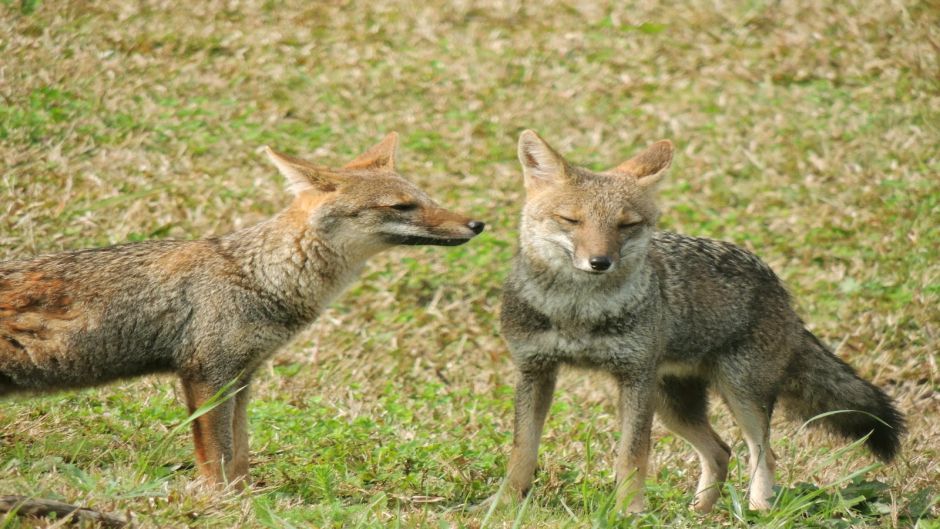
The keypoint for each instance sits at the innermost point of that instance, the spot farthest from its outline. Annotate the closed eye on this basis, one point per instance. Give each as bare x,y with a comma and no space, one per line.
404,207
628,225
567,220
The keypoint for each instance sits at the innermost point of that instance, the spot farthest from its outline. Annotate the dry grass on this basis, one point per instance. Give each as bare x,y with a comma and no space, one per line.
807,132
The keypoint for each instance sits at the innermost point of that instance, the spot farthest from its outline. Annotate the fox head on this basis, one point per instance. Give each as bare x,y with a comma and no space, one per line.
366,206
588,222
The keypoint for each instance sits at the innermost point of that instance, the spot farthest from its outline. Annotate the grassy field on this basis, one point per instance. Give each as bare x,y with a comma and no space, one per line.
807,132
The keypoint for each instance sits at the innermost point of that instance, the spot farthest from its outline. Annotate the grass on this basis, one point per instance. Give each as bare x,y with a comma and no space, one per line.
806,131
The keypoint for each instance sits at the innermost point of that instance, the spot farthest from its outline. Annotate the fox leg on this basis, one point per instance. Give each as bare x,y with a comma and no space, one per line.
754,420
240,437
682,407
212,432
636,420
533,398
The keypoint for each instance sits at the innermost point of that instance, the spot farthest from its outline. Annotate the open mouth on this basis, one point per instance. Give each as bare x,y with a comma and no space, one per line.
415,240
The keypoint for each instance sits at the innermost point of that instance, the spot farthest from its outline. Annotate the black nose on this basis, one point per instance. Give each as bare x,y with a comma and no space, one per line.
476,226
600,262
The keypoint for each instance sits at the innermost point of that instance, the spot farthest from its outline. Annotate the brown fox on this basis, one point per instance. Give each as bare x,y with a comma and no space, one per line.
212,310
669,316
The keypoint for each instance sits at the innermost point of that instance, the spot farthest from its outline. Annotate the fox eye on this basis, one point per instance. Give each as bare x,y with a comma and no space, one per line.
568,220
404,207
628,225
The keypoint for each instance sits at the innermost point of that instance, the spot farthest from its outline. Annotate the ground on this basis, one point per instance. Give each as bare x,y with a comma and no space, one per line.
807,132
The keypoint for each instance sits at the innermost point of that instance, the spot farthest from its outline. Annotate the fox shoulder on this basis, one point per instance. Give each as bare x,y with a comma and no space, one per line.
518,316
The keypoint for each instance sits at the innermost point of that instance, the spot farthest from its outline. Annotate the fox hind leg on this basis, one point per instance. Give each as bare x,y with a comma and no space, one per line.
240,438
754,419
682,406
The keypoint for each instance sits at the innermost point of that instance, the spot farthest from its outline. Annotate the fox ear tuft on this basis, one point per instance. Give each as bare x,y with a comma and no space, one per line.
302,175
541,165
649,166
380,157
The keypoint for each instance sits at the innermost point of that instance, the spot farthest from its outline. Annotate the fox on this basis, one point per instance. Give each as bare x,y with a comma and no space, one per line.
212,310
671,317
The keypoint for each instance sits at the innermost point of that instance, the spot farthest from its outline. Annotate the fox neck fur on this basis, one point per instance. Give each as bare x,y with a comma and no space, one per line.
565,294
305,265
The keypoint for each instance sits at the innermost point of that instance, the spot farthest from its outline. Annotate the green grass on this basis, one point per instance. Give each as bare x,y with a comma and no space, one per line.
806,132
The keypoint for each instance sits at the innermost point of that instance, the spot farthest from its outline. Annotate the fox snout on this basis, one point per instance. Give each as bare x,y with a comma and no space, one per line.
437,227
596,246
600,263
443,222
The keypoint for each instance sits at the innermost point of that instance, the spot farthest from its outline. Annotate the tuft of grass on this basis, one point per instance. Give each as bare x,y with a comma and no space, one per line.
806,132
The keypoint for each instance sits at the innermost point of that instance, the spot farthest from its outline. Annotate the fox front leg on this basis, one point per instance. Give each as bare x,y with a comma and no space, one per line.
240,437
213,435
533,398
635,408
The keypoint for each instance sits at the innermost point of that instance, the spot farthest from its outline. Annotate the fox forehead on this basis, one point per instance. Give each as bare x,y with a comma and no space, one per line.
385,189
598,197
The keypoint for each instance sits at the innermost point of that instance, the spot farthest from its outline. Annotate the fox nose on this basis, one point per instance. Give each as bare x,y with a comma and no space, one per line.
600,262
476,226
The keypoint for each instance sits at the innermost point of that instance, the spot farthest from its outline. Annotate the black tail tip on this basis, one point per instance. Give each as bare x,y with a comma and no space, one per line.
886,431
880,421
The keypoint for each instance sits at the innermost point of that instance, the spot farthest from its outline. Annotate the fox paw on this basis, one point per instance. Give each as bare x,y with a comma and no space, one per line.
702,506
759,504
636,506
501,498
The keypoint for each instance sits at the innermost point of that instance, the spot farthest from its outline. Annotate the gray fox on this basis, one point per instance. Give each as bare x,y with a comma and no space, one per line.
212,310
669,316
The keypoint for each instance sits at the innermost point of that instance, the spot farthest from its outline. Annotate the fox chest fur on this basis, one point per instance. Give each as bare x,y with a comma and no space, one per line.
565,323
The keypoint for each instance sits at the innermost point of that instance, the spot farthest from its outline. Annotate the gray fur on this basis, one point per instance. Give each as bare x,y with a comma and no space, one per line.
675,316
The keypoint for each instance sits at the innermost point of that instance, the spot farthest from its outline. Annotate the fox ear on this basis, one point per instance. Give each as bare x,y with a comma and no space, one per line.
380,156
649,166
302,175
541,165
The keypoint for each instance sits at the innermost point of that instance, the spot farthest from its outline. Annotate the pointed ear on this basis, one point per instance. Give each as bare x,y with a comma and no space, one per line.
380,156
541,165
649,166
302,175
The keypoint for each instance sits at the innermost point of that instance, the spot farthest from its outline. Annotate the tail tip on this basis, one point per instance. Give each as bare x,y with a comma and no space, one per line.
885,440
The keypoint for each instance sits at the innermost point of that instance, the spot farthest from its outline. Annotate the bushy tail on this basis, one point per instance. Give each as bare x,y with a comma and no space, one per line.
820,382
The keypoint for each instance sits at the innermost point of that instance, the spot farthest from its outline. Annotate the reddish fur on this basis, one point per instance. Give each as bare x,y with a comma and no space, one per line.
36,293
30,309
438,216
380,156
590,240
298,214
181,261
650,161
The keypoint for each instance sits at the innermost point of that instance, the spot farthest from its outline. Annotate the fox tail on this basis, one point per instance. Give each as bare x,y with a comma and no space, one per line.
827,384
